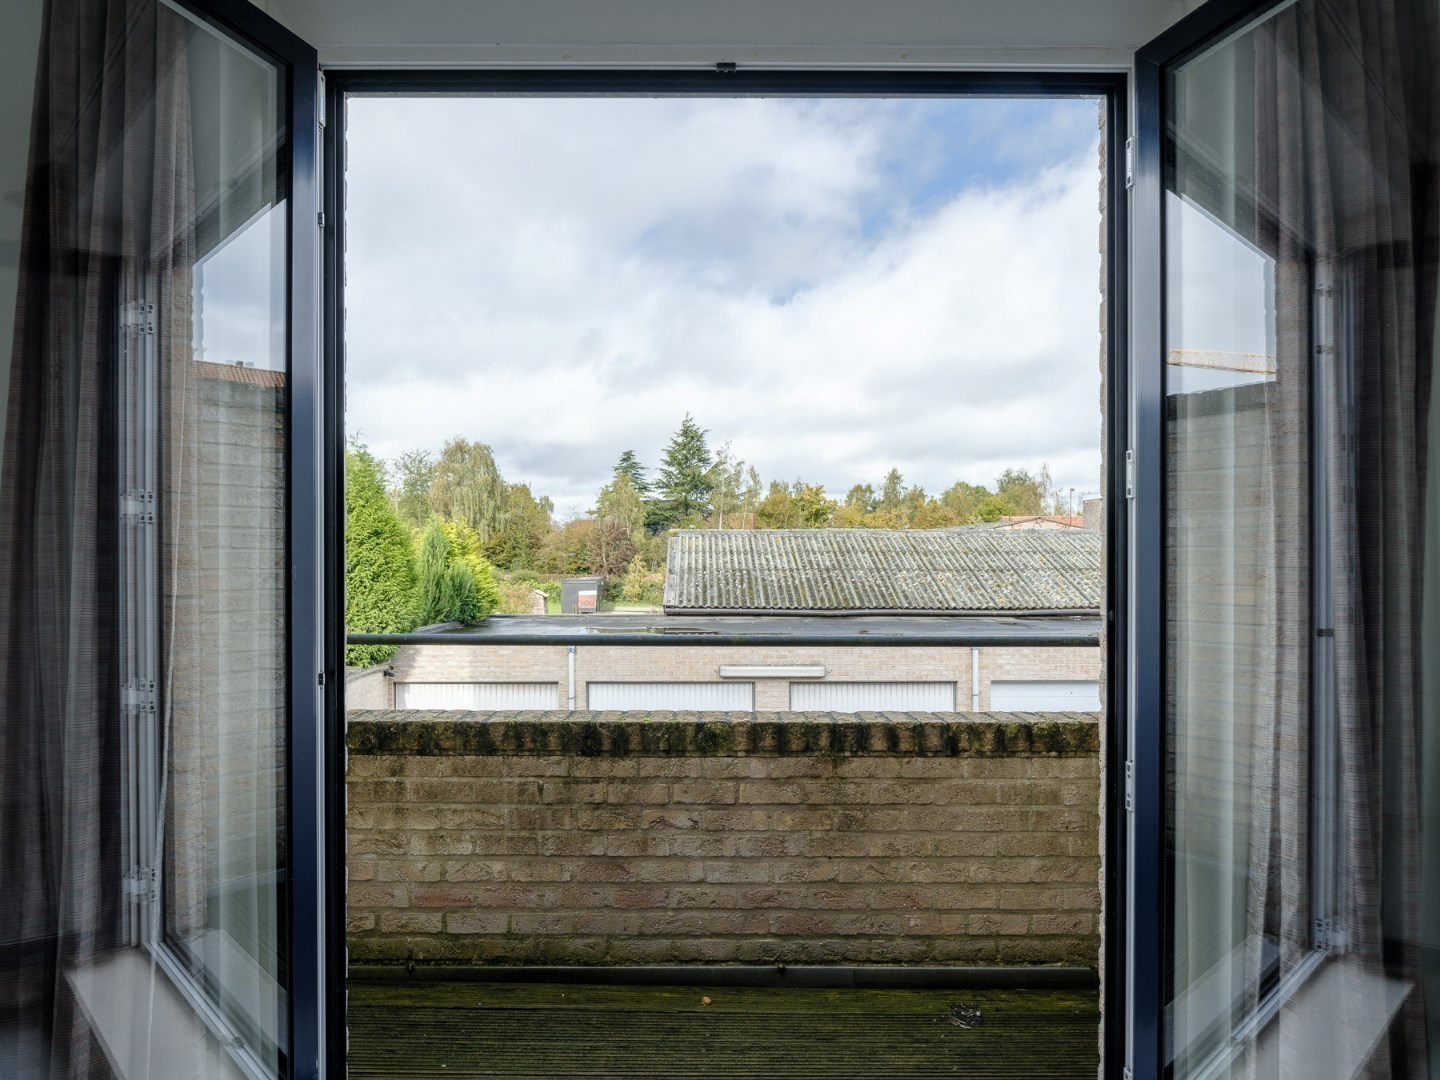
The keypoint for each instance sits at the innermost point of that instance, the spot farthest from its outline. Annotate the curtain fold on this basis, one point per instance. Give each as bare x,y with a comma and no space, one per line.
1346,205
107,211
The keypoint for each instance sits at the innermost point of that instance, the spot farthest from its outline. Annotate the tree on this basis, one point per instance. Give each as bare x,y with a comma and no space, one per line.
619,501
567,549
629,465
994,507
379,563
776,510
611,548
912,503
963,500
1027,493
811,509
750,493
466,486
455,586
861,497
411,491
523,531
632,585
933,515
641,585
465,547
891,491
684,482
727,480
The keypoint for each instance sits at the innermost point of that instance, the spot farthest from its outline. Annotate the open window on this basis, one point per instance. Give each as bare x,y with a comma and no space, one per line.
1285,309
161,730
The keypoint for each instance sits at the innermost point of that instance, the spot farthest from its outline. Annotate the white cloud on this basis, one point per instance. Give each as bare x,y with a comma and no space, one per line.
564,279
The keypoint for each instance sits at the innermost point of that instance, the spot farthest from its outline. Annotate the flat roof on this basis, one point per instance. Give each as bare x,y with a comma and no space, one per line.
969,631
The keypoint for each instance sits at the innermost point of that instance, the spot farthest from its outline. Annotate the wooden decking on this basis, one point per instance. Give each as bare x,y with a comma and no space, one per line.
476,1029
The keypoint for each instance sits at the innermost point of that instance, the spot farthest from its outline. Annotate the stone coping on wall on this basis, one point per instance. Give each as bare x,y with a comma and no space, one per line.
443,733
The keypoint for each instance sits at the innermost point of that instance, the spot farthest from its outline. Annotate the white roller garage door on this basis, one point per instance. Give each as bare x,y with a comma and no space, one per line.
495,695
719,697
1045,695
872,696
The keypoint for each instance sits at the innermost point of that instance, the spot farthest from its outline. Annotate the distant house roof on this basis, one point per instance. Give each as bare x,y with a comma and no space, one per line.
883,571
238,374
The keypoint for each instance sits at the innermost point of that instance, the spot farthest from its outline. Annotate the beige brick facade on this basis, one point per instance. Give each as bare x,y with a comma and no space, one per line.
530,664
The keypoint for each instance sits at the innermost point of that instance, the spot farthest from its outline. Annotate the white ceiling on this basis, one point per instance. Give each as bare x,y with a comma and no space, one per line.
1061,34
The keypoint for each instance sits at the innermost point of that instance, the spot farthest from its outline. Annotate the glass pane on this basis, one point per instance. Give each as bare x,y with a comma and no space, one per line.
142,819
1296,325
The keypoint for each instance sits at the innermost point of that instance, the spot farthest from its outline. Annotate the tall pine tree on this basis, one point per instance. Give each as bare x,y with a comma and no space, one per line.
629,466
684,483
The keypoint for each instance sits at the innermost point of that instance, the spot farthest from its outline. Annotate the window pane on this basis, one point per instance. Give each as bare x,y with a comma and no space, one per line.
1299,319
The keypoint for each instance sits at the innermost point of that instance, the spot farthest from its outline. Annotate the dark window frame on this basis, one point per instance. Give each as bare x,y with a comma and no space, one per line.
1150,865
1111,87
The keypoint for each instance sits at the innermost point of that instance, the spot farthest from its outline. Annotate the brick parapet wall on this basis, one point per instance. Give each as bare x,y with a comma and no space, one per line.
606,838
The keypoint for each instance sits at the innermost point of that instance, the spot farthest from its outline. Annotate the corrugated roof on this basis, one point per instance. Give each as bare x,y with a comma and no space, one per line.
847,571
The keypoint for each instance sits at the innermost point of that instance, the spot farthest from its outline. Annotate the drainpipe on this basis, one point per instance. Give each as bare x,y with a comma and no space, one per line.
974,680
571,659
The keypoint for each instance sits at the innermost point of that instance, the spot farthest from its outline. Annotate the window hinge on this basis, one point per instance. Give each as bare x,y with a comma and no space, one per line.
1130,162
320,98
320,219
1129,474
140,317
139,696
725,67
138,508
1328,936
320,679
1129,787
144,885
1127,1073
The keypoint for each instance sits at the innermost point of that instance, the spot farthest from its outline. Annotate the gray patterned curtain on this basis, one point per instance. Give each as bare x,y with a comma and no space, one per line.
1347,205
108,207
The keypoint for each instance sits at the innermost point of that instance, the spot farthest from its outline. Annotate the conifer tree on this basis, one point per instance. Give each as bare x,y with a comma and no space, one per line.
629,466
379,564
684,482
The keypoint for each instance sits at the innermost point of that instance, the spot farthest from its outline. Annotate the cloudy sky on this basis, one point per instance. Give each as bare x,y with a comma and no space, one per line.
835,287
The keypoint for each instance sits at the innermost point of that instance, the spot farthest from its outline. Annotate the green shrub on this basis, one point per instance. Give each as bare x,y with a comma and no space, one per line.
380,593
457,584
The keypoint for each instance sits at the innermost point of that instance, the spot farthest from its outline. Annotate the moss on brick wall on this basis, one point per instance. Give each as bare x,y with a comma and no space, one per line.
595,838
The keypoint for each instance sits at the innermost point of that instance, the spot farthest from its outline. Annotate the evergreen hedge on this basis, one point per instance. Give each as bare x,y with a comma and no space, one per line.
380,595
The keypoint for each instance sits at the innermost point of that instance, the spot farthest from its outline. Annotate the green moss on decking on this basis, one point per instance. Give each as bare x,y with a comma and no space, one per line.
470,1029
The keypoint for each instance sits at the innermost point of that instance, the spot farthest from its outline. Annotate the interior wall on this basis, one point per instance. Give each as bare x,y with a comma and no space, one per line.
19,48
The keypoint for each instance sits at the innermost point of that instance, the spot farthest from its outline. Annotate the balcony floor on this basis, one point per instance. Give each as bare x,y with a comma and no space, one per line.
471,1029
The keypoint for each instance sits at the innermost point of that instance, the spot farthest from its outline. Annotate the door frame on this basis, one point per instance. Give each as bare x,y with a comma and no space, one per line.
313,1041
1114,90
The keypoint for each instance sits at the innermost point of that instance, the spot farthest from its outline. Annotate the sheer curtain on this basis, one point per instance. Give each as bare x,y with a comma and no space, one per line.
1347,200
141,749
1302,221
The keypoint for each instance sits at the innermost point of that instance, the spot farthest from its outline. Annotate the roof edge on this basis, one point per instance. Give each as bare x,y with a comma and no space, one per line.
841,613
